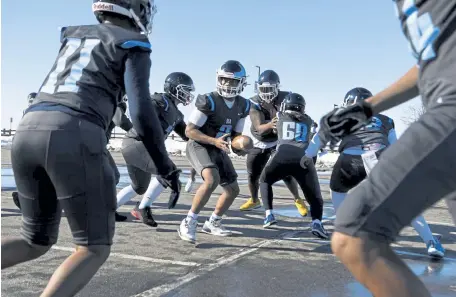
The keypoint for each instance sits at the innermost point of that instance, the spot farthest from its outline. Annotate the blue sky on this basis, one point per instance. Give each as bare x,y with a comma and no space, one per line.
320,49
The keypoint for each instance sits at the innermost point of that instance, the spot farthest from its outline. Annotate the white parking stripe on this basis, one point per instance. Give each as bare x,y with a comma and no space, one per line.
133,257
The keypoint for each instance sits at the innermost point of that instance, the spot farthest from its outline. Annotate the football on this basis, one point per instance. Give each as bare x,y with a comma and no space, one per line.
242,143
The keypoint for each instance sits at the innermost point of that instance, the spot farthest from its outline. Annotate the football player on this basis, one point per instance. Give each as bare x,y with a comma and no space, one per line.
359,152
59,151
413,173
263,112
217,117
294,130
178,89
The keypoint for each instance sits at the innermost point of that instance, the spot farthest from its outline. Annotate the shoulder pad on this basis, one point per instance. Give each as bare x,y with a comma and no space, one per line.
255,103
62,33
132,40
279,99
387,121
161,100
205,103
129,44
255,99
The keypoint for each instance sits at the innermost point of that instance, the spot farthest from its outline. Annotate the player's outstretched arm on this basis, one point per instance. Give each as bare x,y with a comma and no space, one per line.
256,117
403,90
142,112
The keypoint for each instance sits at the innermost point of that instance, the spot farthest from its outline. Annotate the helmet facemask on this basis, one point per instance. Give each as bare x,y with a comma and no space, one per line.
228,85
350,100
183,93
267,92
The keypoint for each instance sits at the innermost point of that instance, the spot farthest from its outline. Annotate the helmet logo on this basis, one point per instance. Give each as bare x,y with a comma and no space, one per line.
102,6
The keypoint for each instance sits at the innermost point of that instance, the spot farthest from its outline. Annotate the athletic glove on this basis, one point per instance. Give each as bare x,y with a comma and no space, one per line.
342,122
172,181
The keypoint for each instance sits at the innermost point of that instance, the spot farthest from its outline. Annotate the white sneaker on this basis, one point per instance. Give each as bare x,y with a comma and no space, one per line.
189,185
215,227
187,229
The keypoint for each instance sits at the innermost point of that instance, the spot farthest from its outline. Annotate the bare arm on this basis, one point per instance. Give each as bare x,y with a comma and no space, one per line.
401,91
192,131
256,117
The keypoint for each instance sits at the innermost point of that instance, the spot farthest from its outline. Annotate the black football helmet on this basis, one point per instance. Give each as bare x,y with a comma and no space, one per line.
30,98
355,95
231,79
268,85
141,12
180,86
293,103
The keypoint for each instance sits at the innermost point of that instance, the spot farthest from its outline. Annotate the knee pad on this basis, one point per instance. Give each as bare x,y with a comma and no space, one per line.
139,189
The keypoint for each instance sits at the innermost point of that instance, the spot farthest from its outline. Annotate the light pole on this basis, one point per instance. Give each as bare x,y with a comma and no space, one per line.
259,70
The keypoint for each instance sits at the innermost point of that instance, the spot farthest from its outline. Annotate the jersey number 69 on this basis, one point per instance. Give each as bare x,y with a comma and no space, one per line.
296,131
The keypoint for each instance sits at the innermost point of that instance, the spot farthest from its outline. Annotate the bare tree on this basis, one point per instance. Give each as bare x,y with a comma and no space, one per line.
413,113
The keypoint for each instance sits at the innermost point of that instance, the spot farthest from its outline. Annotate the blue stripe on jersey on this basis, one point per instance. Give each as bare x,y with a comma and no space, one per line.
247,107
212,102
166,101
257,106
135,43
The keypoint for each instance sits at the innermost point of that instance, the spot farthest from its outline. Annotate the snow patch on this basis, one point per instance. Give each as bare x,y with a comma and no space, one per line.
177,147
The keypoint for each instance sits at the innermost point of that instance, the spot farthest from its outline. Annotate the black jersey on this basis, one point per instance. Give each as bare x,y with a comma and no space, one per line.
168,114
268,112
221,118
88,74
293,131
376,131
430,27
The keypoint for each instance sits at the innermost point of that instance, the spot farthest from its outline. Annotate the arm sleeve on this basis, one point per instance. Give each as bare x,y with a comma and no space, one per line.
392,136
180,130
314,146
142,112
197,117
240,126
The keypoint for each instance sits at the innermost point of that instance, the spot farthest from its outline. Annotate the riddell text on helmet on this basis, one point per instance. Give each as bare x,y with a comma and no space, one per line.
103,6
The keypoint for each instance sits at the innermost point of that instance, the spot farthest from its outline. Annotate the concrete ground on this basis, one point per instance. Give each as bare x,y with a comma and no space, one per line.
285,261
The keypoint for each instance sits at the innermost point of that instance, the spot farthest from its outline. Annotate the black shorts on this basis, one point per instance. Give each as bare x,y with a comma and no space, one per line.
207,156
140,165
348,172
61,161
292,163
113,165
256,160
411,175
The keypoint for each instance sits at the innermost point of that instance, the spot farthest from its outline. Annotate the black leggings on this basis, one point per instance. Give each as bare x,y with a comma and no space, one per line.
256,161
140,179
291,162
